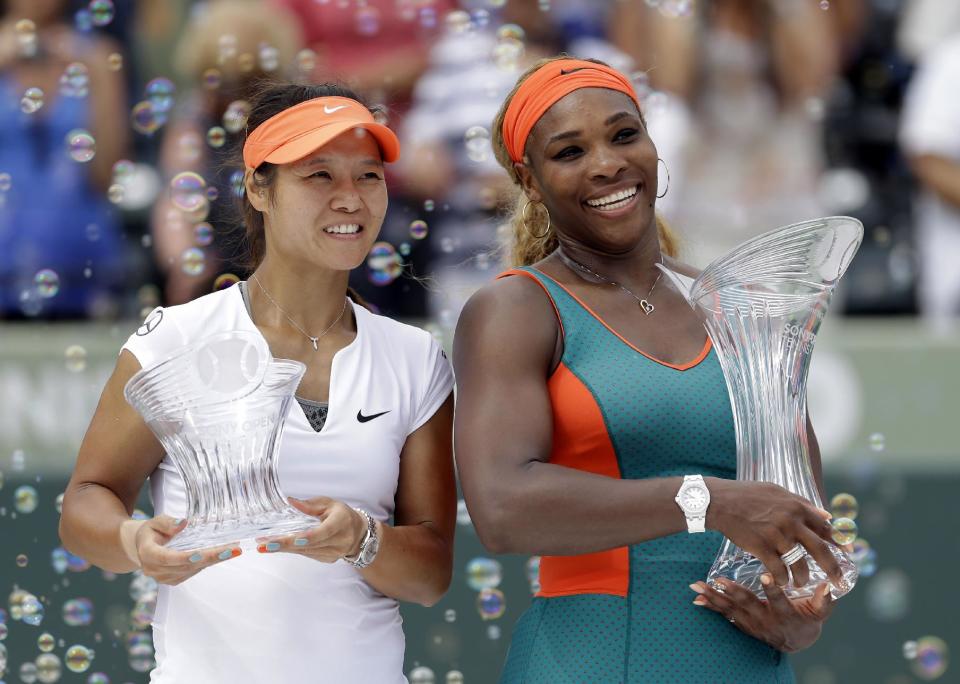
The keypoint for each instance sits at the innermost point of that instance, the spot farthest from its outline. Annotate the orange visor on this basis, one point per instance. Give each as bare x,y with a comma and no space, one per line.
549,84
296,132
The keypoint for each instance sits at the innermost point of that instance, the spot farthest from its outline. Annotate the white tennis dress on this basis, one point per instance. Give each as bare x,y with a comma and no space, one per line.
281,617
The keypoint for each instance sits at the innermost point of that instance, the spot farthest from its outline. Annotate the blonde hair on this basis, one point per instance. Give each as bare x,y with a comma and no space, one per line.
530,238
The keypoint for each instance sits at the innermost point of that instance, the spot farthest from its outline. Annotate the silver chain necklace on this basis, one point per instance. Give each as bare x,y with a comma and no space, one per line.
644,302
294,323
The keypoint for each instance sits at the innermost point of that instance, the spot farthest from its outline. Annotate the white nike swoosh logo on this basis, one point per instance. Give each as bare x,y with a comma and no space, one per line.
331,110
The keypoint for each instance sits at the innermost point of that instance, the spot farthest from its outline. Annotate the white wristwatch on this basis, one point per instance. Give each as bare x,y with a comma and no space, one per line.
693,499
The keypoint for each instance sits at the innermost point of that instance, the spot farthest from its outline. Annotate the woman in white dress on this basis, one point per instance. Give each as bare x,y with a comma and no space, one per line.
369,441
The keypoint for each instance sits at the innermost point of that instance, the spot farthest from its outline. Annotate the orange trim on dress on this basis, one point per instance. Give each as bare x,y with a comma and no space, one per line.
580,440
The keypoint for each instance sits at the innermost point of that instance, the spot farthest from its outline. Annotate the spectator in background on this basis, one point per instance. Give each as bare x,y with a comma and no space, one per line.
448,166
930,137
739,127
55,219
227,47
379,48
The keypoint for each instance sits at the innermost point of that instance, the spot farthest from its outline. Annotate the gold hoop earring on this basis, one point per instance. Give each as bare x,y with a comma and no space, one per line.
523,217
660,161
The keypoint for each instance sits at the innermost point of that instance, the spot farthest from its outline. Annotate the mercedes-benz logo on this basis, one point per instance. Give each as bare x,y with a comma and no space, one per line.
149,325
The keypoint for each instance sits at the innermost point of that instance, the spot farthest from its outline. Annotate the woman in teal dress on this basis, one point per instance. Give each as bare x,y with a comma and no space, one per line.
591,405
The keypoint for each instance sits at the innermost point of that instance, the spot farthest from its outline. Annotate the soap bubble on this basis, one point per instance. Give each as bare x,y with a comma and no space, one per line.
458,21
212,78
226,47
28,673
454,677
491,604
511,32
844,505
192,261
31,610
78,612
188,191
493,632
484,573
477,140
877,441
383,264
25,499
507,54
269,58
931,657
75,80
306,61
159,93
533,573
115,61
49,668
421,675
212,193
79,658
419,229
98,678
450,615
216,137
236,183
824,5
235,116
428,205
31,101
47,283
101,12
22,560
143,586
58,559
224,281
5,182
844,530
80,145
140,656
145,119
116,193
46,642
203,234
58,503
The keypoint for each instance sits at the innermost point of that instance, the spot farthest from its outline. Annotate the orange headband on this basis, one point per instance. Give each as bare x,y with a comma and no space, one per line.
548,84
296,132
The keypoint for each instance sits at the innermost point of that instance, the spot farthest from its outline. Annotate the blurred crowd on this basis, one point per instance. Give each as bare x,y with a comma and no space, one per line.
119,122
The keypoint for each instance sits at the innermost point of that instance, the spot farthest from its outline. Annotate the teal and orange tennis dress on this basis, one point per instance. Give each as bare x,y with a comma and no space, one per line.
625,615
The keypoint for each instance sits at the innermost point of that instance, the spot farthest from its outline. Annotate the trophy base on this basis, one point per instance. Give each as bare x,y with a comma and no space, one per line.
242,532
743,568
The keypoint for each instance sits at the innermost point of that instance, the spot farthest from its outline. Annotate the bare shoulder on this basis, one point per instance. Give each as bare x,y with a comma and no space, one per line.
513,315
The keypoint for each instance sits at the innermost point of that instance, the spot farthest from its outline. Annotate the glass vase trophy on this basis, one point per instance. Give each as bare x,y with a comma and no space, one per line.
762,305
218,407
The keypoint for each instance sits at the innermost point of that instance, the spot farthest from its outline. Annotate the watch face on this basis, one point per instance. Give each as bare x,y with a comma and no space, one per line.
695,499
370,550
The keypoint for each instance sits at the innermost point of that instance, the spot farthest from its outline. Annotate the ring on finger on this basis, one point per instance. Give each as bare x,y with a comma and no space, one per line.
793,555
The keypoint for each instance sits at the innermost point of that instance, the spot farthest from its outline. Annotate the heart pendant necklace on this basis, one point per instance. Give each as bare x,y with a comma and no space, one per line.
644,302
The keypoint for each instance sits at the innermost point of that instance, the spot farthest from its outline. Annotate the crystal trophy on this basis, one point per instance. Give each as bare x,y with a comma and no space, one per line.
218,406
762,305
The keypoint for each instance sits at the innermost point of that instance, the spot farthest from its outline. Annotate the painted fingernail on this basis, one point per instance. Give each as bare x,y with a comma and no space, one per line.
765,580
299,541
235,552
272,546
699,601
177,521
225,554
697,588
262,548
195,558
